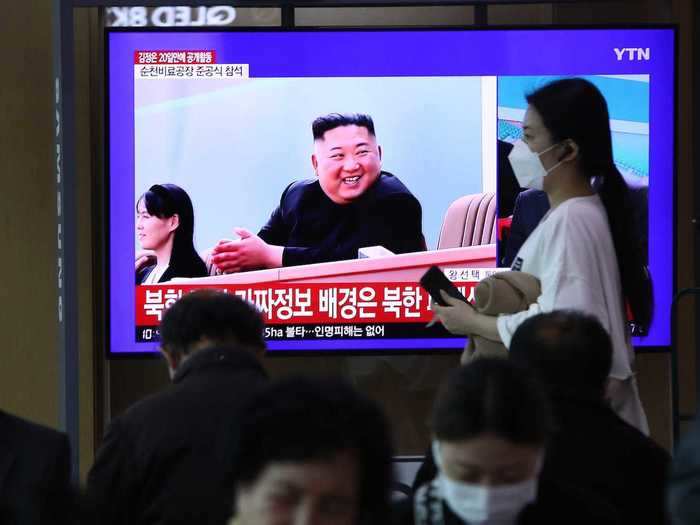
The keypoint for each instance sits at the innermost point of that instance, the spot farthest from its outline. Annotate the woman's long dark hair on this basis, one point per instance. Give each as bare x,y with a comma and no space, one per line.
575,109
164,201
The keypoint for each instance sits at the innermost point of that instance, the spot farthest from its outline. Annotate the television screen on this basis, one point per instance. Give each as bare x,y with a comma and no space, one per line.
214,166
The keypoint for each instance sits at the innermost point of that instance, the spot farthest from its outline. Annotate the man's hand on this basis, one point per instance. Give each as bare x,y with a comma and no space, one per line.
458,317
247,253
145,258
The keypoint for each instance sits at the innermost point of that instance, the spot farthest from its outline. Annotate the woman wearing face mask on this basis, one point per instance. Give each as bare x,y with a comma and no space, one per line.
165,227
491,421
586,250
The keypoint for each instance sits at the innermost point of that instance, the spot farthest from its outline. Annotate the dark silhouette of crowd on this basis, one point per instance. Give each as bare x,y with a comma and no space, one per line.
527,439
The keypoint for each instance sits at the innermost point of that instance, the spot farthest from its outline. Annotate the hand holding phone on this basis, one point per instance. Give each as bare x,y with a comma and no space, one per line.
435,280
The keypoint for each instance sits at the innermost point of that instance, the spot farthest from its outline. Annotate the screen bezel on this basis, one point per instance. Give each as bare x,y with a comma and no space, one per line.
106,197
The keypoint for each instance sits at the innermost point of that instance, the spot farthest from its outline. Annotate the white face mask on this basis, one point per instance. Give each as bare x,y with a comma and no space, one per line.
485,504
481,504
527,165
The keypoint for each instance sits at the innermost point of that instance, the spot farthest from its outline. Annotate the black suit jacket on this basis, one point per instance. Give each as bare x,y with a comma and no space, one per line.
34,473
194,268
167,459
508,187
530,207
314,229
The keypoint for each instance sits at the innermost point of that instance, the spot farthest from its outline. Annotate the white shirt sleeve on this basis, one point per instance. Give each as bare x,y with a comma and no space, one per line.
563,263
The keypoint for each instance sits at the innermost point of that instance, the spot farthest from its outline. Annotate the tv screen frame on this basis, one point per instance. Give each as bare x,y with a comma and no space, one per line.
455,347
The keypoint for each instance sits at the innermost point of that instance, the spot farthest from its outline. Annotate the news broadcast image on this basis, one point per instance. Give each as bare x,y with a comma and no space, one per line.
228,121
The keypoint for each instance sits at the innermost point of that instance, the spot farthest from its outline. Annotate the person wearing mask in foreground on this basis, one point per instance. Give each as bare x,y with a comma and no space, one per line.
491,423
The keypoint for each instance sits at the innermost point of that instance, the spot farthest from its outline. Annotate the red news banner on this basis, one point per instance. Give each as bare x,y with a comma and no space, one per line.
327,303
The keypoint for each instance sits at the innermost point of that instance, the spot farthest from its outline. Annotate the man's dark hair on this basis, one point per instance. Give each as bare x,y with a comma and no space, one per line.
492,396
570,350
212,315
302,419
336,120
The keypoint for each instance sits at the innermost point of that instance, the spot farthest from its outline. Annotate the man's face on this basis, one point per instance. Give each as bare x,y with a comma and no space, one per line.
347,161
317,492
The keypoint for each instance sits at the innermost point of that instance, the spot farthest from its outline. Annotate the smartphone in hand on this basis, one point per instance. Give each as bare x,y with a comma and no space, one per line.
435,280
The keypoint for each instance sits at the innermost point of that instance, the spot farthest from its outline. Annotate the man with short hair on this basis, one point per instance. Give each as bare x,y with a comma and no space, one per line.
350,205
167,459
312,451
592,448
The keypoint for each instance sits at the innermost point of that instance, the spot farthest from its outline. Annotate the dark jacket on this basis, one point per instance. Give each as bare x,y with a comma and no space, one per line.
508,187
167,458
314,229
530,207
595,449
34,473
193,268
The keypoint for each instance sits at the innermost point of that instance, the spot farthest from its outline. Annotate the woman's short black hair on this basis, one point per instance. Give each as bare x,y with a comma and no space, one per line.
302,419
492,396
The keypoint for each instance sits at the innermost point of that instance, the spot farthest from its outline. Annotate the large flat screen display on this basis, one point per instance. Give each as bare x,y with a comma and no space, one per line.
224,121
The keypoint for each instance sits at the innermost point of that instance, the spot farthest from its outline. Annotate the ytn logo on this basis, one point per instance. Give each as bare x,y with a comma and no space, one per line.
633,53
